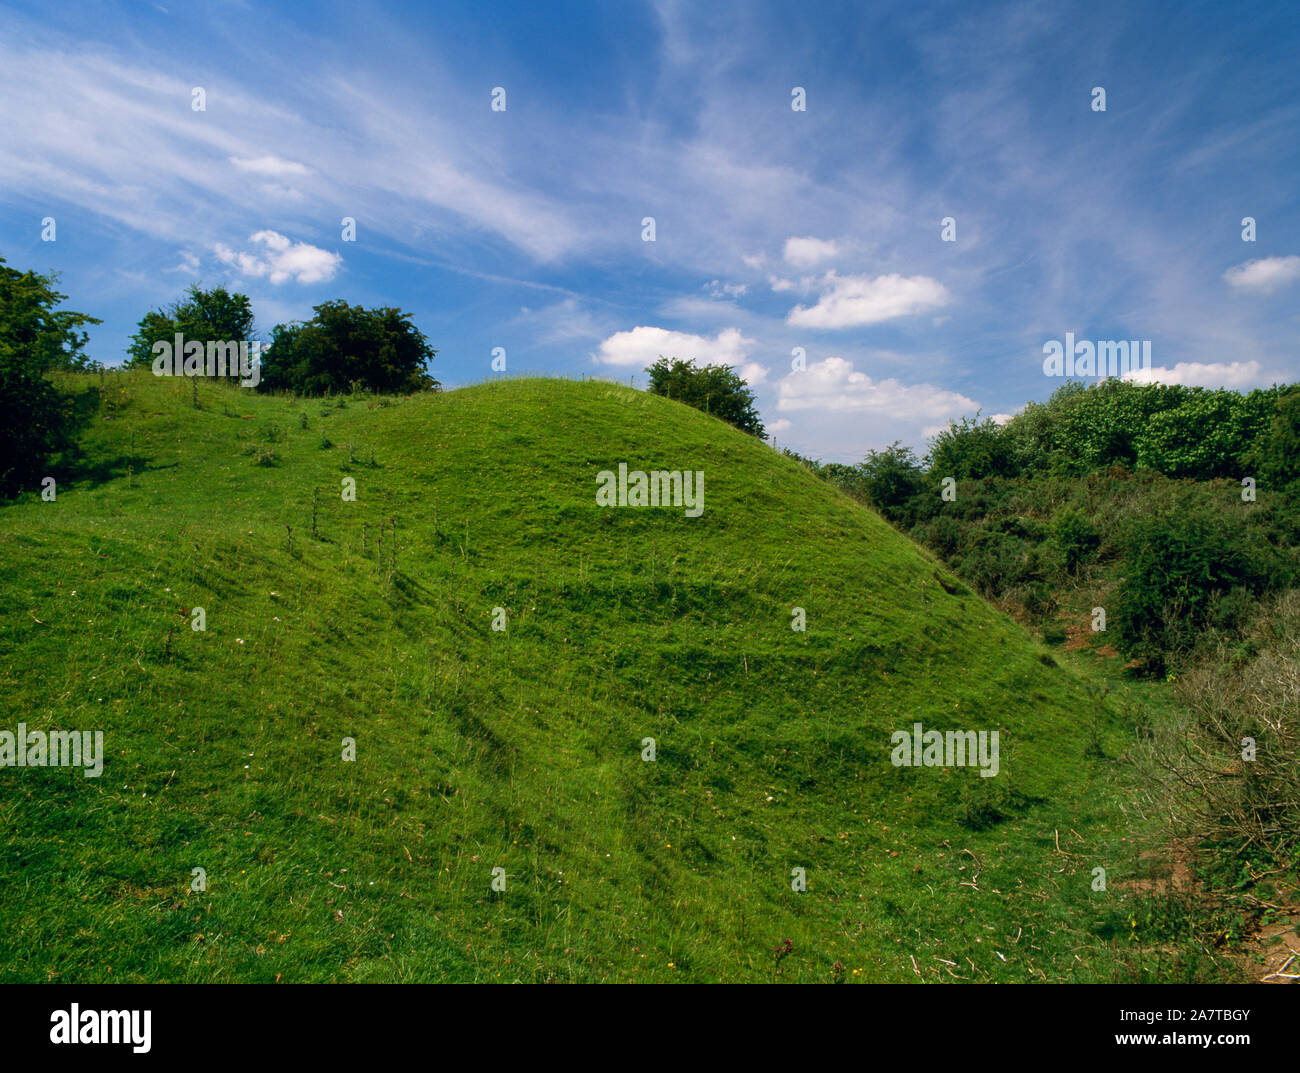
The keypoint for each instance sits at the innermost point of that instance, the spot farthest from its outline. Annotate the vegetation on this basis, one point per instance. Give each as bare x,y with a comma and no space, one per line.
715,389
345,347
1132,487
38,420
204,316
1228,776
353,716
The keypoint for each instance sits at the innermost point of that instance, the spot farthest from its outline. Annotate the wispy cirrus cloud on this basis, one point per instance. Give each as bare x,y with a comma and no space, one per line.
270,165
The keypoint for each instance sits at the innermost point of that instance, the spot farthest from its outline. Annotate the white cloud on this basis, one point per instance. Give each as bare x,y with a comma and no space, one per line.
189,264
278,190
717,289
834,385
848,301
803,284
281,259
752,373
1231,374
643,345
834,412
1265,275
806,252
270,165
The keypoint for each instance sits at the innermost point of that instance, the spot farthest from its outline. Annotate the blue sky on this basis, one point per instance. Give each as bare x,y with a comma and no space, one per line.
775,228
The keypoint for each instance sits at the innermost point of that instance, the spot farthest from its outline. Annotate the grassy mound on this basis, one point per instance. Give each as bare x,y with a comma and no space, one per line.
519,749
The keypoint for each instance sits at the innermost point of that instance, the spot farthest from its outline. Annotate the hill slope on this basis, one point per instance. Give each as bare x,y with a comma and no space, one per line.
519,749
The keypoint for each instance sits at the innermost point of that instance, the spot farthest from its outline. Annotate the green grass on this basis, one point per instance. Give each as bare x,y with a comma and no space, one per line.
522,749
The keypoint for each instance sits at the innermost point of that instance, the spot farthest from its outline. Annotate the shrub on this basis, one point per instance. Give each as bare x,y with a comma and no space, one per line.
1206,435
999,564
1076,539
1176,570
1196,767
1275,455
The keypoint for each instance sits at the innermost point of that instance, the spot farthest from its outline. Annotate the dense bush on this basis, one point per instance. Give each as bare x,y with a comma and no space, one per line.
1208,434
344,347
1076,538
1174,430
1099,425
1177,572
999,564
37,420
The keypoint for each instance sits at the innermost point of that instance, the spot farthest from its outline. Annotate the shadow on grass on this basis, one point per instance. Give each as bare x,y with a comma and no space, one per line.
92,472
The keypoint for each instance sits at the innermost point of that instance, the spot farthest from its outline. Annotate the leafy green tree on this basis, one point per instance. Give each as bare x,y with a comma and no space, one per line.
971,449
890,479
345,346
715,389
1275,455
206,316
1206,435
1100,426
1178,431
37,420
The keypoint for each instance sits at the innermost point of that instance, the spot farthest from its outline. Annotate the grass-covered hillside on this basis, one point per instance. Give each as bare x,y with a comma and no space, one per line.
522,748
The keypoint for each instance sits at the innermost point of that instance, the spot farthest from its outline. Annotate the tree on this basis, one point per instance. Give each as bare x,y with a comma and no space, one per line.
210,316
37,420
715,389
890,478
1276,453
973,449
343,346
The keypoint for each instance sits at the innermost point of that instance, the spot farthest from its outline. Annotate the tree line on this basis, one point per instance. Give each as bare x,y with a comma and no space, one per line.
341,348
